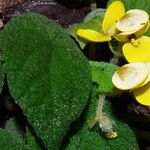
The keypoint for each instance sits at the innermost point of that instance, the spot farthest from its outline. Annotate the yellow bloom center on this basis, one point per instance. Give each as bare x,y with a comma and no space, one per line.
135,43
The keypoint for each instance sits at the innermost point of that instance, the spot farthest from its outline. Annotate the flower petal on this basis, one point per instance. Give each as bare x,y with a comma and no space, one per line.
142,30
130,76
133,20
137,50
148,78
126,36
123,36
92,35
114,12
142,94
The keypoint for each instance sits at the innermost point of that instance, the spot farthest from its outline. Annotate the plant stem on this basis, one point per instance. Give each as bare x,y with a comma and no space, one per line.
116,53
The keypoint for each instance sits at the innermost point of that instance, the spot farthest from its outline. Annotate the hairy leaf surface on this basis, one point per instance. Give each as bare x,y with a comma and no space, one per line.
1,74
102,73
47,75
10,142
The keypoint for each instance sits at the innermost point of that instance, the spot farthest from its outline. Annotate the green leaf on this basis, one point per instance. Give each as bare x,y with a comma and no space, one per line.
102,73
32,142
16,126
10,142
73,30
1,76
136,4
13,128
92,21
95,13
47,74
94,139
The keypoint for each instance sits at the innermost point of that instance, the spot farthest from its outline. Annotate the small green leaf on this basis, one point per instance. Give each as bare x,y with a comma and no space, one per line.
92,21
13,128
86,139
95,13
73,30
32,142
47,75
102,73
10,142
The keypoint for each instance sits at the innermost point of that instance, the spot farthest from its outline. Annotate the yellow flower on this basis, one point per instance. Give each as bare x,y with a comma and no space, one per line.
113,13
136,78
127,27
132,26
137,50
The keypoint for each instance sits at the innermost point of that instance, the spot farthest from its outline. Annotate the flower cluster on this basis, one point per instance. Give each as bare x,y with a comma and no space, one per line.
126,27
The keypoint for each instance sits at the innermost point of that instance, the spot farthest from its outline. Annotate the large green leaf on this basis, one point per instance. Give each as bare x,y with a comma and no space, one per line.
102,73
1,75
47,75
87,139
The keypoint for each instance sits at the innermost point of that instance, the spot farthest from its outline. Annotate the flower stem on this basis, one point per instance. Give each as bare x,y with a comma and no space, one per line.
117,53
